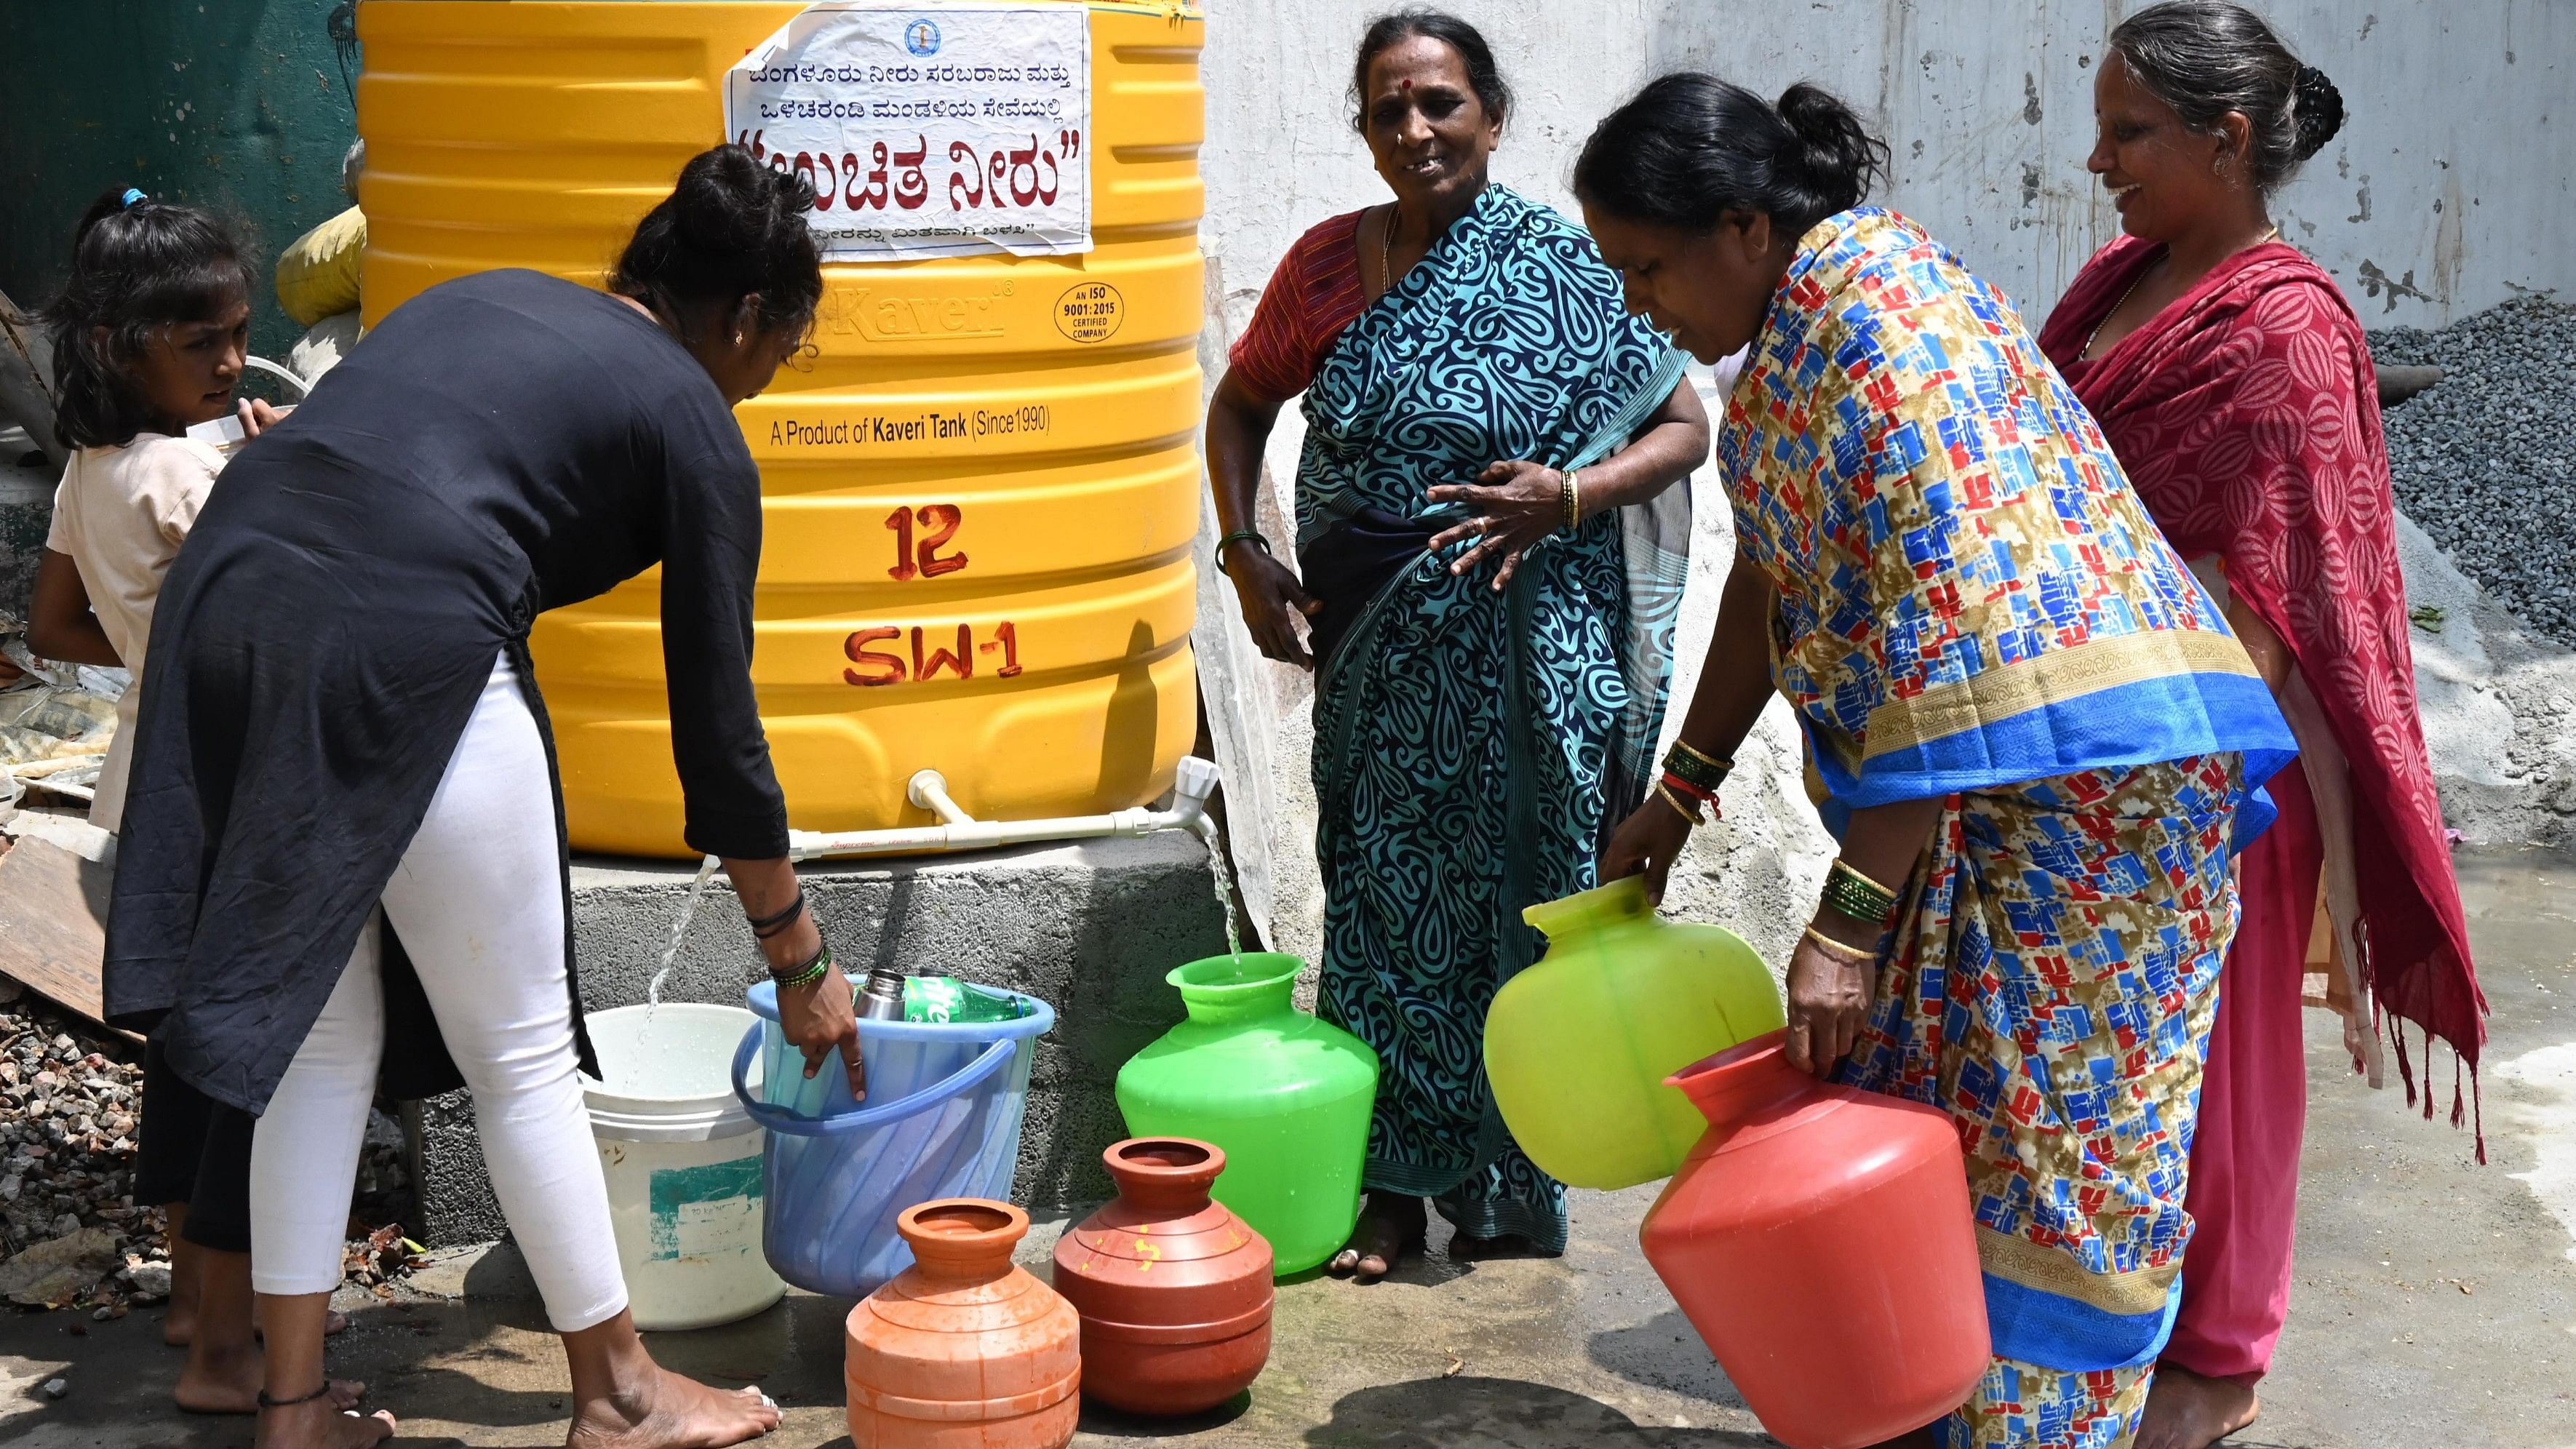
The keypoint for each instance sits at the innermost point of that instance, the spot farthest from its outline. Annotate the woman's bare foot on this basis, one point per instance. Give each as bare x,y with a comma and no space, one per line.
228,1381
668,1411
2188,1411
1390,1227
321,1425
226,1368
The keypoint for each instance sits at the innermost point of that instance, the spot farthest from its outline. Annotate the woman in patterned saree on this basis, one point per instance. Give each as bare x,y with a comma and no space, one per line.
1489,596
2032,733
2232,378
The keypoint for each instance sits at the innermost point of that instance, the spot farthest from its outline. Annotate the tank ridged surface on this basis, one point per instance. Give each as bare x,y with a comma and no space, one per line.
1041,660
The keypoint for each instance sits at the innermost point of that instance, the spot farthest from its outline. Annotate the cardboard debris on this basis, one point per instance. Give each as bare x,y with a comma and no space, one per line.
53,906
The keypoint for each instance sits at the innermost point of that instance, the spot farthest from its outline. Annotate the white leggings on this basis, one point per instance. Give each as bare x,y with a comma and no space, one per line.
479,907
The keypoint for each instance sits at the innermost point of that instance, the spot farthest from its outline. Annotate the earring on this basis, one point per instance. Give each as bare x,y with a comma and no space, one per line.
737,338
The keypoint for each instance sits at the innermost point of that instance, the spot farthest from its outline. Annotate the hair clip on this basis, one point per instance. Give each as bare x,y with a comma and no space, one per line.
132,195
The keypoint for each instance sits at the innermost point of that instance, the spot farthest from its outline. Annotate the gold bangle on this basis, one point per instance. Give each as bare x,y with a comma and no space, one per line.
1573,494
1693,816
1839,950
1847,868
1697,754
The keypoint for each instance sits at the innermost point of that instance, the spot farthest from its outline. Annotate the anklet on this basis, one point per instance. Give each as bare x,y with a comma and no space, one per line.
266,1402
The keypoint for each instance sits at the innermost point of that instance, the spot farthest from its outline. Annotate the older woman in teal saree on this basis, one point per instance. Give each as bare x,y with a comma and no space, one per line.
1492,558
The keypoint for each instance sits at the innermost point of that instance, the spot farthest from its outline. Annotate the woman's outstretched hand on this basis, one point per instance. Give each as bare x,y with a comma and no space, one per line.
1515,503
1274,604
1829,997
1647,842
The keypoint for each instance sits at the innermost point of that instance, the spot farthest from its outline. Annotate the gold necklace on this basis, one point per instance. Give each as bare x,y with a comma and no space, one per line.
2086,355
1386,253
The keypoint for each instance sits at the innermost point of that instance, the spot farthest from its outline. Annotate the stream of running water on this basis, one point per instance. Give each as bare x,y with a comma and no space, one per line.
679,932
1225,897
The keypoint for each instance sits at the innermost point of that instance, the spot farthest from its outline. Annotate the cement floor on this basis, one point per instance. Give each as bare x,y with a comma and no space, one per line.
2435,1303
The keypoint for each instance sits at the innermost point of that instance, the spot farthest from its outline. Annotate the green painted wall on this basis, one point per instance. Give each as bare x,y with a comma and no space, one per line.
236,105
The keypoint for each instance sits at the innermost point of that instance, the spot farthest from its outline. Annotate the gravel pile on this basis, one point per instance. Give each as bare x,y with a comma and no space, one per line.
71,1234
67,1128
2485,461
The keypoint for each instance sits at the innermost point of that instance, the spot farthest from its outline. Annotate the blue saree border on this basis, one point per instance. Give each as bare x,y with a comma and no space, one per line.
2170,717
2036,1326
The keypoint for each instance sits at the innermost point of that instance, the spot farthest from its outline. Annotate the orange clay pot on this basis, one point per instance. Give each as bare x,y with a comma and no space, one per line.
1173,1289
964,1350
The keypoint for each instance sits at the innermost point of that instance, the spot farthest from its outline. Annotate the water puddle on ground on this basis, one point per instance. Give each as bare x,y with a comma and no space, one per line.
2550,1073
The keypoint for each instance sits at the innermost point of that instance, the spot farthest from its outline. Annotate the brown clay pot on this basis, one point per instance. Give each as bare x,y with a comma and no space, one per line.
1173,1289
964,1350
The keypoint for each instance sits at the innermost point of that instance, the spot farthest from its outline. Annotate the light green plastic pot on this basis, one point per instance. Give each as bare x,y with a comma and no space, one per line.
1287,1097
1578,1046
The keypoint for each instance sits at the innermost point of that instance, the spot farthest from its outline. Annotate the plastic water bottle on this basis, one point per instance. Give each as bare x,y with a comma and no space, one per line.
945,998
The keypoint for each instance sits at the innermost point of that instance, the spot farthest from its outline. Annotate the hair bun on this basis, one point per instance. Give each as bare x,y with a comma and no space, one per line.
2318,112
729,202
1837,154
733,226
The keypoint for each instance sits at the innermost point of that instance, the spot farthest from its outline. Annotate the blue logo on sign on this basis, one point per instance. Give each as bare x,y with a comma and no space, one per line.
921,38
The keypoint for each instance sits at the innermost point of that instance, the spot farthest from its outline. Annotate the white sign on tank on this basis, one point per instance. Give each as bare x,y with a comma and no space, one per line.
927,131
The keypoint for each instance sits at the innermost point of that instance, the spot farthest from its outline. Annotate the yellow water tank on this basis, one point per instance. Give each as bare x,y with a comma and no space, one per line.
979,495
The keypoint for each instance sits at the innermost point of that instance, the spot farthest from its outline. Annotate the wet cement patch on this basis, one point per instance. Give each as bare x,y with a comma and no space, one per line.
2383,1346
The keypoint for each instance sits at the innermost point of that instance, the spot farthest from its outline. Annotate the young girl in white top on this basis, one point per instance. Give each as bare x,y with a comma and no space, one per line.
148,340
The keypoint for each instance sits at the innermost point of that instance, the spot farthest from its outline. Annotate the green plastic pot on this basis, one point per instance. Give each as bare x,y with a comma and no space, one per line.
1287,1097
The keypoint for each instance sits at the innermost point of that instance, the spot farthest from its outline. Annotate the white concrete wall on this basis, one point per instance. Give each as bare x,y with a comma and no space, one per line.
2448,187
2447,190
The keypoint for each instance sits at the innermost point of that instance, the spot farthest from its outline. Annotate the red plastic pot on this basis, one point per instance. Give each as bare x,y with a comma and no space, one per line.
1174,1290
1819,1238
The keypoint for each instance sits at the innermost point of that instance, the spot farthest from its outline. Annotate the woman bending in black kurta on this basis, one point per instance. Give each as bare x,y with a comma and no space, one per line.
342,747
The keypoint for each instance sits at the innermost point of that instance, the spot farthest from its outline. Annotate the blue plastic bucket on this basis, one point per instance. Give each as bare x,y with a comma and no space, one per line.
942,1119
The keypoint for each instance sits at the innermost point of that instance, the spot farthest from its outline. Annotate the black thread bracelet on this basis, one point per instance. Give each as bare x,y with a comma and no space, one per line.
767,926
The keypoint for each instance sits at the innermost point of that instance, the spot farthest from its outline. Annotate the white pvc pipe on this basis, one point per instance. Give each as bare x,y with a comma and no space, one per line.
928,789
282,374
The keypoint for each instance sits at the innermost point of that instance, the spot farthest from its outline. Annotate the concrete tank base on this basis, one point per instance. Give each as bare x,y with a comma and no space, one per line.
1091,926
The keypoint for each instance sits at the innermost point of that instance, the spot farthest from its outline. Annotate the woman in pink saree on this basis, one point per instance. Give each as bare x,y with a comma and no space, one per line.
2235,385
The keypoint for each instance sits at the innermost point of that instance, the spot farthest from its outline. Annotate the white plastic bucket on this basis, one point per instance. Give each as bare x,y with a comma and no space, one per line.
683,1162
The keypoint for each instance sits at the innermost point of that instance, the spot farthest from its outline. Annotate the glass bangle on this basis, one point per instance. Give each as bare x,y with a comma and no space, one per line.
1695,767
1849,893
807,974
1703,756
